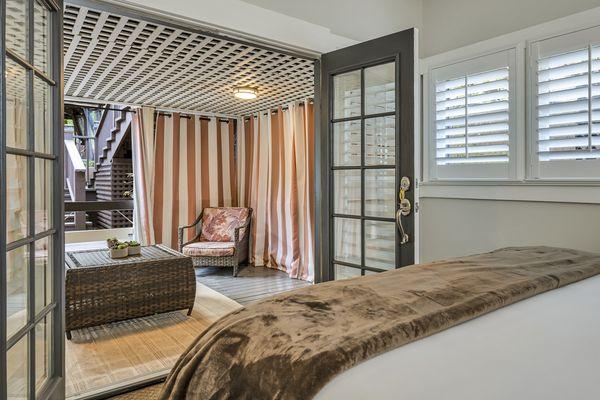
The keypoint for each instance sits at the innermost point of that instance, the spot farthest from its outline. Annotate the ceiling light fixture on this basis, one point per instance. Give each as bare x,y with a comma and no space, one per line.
245,92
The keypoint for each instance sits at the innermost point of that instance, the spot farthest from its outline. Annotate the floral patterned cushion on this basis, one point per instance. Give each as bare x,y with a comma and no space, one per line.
218,224
214,249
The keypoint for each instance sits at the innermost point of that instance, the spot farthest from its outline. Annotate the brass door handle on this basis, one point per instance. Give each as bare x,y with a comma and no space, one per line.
404,209
405,238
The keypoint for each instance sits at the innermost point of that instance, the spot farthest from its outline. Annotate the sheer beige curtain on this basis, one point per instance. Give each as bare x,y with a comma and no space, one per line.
276,179
142,140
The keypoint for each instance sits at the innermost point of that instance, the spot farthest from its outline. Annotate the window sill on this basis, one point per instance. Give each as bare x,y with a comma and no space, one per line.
587,192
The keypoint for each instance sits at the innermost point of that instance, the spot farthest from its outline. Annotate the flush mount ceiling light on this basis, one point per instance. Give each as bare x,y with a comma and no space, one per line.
245,92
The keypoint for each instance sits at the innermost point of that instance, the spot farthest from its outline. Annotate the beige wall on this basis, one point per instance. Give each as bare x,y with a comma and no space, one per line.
457,227
450,24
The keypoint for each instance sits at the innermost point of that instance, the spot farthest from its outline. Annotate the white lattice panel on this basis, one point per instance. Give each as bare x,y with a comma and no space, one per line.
112,58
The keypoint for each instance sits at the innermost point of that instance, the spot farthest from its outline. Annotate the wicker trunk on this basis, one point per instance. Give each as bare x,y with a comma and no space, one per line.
101,290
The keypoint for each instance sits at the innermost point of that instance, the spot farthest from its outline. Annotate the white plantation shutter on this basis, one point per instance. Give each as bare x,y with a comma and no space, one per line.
567,106
472,103
472,119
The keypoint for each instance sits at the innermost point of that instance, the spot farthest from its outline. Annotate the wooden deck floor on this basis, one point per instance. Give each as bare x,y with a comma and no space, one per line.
251,284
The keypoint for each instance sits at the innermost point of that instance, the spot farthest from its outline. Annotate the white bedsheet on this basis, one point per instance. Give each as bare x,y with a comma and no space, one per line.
546,347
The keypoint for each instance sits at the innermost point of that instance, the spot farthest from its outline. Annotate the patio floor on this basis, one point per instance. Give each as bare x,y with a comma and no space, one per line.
115,354
251,284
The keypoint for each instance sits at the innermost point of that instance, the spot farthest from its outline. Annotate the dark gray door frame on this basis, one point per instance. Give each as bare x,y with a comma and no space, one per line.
398,46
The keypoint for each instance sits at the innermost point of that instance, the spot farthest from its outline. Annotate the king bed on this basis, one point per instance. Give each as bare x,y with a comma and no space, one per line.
513,323
544,348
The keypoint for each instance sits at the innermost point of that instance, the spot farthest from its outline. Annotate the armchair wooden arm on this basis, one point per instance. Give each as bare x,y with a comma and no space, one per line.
236,232
181,229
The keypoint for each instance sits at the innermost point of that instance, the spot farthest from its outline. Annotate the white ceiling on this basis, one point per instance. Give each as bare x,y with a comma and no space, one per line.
118,59
249,20
359,20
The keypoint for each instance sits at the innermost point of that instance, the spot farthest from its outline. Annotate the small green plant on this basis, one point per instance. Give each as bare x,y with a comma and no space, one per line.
122,246
112,243
133,243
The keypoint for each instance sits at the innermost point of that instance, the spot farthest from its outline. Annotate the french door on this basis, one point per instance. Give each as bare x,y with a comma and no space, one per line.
367,146
31,182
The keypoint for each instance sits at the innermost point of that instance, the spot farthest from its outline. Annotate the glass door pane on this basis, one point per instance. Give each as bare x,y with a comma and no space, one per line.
347,95
346,143
17,374
380,89
363,142
17,18
380,141
17,289
380,242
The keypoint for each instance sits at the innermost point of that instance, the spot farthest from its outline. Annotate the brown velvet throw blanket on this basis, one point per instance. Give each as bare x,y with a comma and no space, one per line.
290,345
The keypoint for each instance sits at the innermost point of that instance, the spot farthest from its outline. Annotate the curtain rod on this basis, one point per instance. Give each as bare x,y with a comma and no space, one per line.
169,115
276,110
125,109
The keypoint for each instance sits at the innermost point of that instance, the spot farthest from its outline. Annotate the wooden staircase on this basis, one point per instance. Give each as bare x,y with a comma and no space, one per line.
113,166
112,131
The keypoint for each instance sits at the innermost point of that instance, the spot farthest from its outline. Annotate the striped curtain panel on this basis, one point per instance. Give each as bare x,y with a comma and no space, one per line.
194,167
276,179
142,144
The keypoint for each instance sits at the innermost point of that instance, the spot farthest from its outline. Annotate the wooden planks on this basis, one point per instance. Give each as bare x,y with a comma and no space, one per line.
251,284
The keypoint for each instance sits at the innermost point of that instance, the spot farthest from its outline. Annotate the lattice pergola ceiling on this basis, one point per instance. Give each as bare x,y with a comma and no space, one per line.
116,59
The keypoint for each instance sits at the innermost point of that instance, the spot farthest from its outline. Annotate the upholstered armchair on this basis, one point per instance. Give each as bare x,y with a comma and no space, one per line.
222,239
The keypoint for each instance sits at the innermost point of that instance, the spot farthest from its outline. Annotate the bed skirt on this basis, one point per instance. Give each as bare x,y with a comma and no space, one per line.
291,345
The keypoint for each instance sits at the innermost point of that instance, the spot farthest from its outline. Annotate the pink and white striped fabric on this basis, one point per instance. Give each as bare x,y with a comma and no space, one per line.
276,179
194,167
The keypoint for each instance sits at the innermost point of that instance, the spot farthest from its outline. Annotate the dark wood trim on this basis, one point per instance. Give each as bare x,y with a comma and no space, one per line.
398,47
3,180
98,205
57,367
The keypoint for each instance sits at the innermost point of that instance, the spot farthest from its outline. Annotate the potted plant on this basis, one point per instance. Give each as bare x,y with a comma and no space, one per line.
112,242
119,251
134,248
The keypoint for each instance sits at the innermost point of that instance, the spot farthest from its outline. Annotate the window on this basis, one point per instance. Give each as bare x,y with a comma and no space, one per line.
472,123
566,106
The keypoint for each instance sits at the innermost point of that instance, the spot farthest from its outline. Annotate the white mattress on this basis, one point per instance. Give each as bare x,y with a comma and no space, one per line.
546,347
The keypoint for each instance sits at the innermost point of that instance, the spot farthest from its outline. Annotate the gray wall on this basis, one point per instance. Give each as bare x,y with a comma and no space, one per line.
456,227
450,24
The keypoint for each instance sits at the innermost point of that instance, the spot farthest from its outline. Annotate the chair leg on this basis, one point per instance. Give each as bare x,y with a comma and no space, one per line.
190,310
68,335
235,270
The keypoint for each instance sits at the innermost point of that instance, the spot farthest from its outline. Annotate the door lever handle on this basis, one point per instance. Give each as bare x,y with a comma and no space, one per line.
404,209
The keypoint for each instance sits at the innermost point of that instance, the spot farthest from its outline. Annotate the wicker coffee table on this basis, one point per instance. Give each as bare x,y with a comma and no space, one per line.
99,289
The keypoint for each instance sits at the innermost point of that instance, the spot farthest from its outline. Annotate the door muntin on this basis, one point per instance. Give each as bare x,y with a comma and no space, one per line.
363,168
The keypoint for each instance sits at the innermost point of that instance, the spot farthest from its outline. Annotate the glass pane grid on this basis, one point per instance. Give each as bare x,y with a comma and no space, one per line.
363,137
29,149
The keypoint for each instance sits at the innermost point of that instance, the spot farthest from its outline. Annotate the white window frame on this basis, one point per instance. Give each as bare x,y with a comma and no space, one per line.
455,63
526,186
557,170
